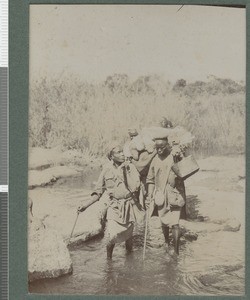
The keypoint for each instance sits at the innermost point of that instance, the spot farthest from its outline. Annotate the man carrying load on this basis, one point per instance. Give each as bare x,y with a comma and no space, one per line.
165,192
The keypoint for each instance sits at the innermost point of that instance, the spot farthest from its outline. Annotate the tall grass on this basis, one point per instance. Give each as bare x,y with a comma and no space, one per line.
79,115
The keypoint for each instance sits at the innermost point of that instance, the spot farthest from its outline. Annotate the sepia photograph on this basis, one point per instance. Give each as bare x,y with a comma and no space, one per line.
136,161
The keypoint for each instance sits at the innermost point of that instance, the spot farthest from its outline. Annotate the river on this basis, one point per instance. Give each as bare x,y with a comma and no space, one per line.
211,265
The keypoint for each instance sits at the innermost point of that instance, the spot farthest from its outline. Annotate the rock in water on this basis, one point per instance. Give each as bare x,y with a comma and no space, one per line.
190,236
232,225
48,256
90,223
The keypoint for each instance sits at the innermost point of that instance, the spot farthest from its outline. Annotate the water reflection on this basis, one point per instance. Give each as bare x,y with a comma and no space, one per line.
212,265
159,274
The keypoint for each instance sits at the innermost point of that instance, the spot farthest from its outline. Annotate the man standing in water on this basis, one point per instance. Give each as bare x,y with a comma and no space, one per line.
120,181
165,123
165,192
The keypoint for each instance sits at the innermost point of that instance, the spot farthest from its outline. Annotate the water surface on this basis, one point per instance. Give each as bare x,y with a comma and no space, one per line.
211,265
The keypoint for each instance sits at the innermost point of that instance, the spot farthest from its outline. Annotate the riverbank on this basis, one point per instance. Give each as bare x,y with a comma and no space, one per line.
215,196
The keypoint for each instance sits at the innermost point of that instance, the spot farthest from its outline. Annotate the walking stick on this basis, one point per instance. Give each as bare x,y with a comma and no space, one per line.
74,225
145,236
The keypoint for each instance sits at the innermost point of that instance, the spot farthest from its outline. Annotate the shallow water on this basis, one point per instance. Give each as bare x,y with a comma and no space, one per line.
211,265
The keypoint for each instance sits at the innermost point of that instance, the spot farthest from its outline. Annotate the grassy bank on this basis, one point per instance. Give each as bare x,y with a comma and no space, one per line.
79,115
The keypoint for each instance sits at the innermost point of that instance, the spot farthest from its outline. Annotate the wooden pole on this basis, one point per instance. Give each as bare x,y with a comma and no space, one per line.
74,225
145,235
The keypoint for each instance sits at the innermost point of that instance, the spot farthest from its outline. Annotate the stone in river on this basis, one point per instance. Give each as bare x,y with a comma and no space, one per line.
48,255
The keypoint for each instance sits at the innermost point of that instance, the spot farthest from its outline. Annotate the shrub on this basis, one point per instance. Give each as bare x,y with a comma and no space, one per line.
78,115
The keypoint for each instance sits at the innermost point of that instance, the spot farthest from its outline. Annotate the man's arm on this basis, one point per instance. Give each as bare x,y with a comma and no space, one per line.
150,183
95,196
151,188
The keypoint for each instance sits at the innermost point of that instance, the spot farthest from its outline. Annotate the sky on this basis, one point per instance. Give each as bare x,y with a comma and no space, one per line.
95,41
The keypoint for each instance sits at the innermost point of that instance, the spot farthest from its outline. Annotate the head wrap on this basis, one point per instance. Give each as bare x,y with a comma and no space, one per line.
111,147
161,142
132,132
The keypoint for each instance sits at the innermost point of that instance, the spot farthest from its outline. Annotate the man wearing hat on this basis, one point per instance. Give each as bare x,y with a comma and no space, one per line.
120,181
165,192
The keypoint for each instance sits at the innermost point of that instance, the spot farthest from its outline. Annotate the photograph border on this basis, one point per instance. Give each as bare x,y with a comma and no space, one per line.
18,144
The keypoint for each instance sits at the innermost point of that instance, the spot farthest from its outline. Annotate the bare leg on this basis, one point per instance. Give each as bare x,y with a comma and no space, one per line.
183,213
165,230
176,237
129,244
110,247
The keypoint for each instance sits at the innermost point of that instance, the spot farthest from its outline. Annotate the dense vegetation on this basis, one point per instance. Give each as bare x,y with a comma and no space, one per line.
84,116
